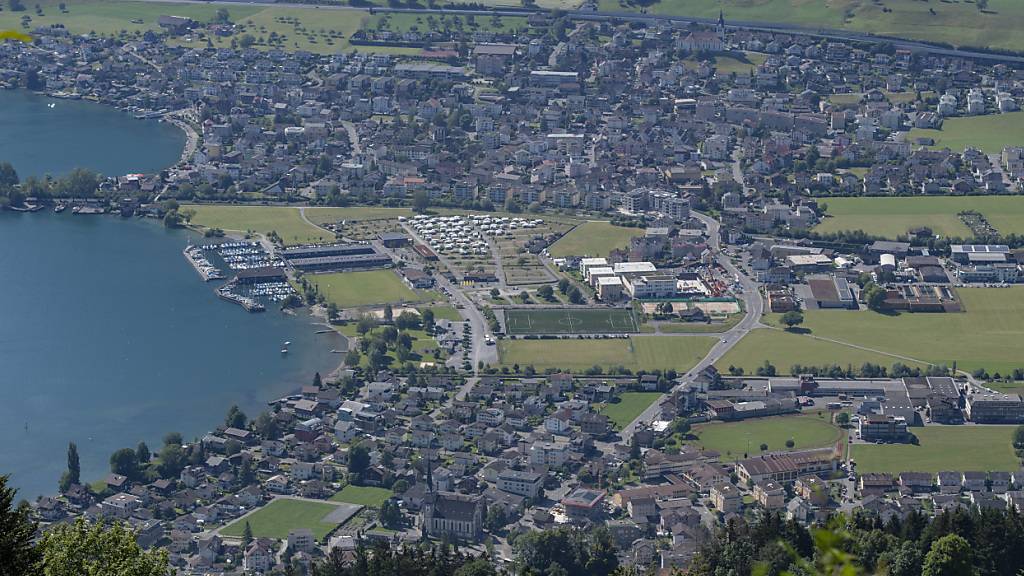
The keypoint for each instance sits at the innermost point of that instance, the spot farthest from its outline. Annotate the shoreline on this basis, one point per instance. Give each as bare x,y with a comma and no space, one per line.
273,389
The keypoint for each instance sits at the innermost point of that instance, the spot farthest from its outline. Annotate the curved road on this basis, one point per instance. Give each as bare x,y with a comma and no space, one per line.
753,303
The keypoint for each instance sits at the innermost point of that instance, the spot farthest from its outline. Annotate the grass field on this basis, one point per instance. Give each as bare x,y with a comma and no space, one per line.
728,62
275,519
958,23
262,219
734,439
679,353
595,239
570,321
331,215
369,496
784,349
398,22
890,217
111,16
986,335
351,289
990,133
957,448
630,405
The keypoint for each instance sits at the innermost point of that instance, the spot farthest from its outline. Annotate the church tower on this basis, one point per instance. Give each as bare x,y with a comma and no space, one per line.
721,25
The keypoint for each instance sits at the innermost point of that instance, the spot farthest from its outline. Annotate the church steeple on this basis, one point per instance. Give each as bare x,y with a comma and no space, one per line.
721,24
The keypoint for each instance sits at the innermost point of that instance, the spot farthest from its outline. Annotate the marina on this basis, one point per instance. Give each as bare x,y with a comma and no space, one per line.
206,270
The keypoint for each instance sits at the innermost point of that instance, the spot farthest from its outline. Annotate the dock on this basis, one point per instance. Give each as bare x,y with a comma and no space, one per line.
202,266
250,305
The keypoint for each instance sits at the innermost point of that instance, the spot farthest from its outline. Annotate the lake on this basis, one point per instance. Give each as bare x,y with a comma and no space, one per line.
38,140
108,337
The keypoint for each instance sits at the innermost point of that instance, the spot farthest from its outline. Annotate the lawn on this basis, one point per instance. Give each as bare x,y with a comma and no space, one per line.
639,352
570,321
446,313
734,439
890,217
352,289
958,23
957,448
594,239
332,215
989,133
785,349
729,62
369,496
286,221
630,405
400,23
988,334
276,519
109,17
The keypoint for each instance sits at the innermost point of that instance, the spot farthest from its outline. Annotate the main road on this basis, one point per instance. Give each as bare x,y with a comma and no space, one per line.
753,303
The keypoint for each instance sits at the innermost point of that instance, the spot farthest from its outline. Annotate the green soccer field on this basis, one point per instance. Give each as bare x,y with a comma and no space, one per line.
281,516
957,448
570,321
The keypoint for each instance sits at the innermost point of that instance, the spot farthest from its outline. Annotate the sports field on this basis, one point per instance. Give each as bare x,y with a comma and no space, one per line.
594,239
286,221
648,352
989,133
734,439
276,519
351,289
629,406
890,217
570,321
369,496
786,349
957,448
958,23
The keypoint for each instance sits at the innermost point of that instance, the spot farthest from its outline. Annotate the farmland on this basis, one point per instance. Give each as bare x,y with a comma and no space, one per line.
648,352
734,439
890,217
352,289
282,515
570,321
957,23
594,239
989,133
982,448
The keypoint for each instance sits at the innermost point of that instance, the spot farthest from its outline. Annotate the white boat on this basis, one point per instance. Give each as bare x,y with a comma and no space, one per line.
284,350
288,343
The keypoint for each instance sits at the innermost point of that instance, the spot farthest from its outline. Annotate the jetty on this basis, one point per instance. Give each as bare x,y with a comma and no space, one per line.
250,304
202,266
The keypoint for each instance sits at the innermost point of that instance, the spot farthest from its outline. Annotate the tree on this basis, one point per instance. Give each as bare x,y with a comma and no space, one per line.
81,548
142,454
792,318
17,531
246,41
407,320
478,567
546,292
790,443
1018,438
73,475
358,459
950,555
496,518
427,319
172,460
389,313
235,418
15,5
173,438
843,419
266,426
390,514
246,535
420,201
125,463
223,16
874,296
8,175
764,447
563,285
575,296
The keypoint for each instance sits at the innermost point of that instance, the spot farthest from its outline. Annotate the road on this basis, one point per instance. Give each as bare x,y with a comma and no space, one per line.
482,352
776,27
353,137
753,303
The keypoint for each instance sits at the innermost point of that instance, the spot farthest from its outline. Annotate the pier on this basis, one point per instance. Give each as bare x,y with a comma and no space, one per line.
206,271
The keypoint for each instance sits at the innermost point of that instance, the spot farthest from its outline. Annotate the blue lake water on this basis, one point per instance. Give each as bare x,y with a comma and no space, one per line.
108,337
38,140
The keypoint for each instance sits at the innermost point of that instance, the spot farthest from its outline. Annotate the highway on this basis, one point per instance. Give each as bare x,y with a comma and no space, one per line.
752,302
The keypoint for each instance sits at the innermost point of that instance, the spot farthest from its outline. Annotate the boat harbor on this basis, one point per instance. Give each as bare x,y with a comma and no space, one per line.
206,270
258,278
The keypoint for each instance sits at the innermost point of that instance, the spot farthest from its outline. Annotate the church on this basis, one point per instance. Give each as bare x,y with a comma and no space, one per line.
706,40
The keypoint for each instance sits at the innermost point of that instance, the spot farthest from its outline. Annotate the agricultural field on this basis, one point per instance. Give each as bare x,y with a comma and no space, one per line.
594,239
323,216
957,23
354,289
989,133
629,406
368,496
982,448
734,439
110,17
649,352
986,335
890,217
570,321
286,221
280,516
786,349
399,23
321,31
